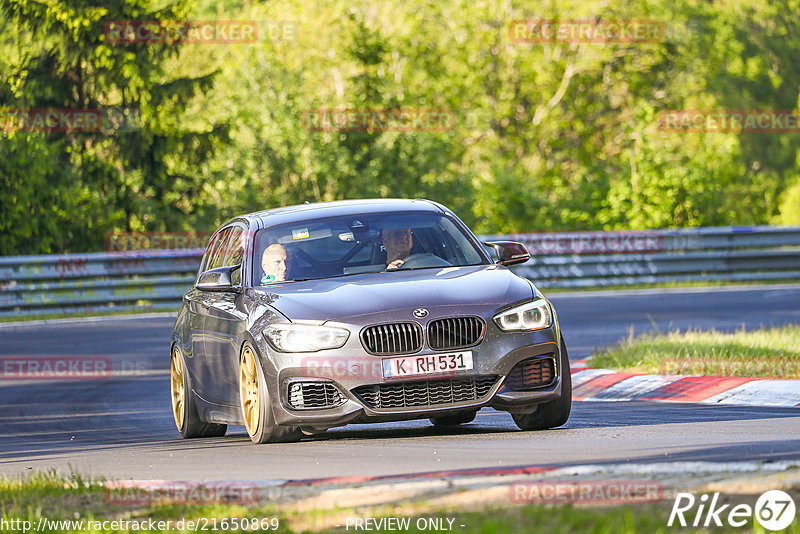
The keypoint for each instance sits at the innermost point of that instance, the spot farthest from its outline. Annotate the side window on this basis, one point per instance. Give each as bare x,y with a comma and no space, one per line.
207,255
217,255
235,253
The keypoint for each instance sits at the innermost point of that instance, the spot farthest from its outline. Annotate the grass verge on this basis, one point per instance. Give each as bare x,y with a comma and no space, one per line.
80,505
763,353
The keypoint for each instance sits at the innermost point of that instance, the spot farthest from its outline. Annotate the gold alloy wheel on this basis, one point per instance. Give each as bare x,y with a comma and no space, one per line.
176,386
248,391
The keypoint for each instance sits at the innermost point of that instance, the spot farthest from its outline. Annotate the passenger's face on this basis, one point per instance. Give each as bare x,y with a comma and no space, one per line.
398,241
274,262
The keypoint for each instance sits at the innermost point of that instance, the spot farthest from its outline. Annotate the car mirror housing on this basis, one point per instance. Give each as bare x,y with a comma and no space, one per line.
509,252
218,279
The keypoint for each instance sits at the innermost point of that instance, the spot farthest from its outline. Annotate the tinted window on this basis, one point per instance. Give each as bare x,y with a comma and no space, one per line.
235,253
353,244
212,242
220,245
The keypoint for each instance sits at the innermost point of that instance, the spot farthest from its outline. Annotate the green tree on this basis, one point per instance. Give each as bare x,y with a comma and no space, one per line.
56,55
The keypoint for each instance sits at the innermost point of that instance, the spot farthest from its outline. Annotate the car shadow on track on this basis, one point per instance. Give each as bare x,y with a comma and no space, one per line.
783,450
42,420
585,415
589,414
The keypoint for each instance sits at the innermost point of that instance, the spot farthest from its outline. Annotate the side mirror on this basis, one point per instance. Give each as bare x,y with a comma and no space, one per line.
509,252
218,279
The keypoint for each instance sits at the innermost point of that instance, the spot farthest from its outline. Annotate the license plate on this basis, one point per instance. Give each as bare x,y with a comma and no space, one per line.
427,364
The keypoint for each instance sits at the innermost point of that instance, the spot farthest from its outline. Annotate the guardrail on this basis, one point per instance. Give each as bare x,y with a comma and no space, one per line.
592,259
87,283
156,280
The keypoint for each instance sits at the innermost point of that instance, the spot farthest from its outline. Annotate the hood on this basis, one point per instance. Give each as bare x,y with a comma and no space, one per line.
470,290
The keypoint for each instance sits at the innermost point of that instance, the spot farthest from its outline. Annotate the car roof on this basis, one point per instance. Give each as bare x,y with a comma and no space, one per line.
336,208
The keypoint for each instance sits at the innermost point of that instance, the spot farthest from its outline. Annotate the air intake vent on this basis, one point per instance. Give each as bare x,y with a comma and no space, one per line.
394,338
425,392
305,395
455,332
532,374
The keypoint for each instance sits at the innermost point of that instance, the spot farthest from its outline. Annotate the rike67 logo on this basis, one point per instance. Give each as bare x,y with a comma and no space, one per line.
774,510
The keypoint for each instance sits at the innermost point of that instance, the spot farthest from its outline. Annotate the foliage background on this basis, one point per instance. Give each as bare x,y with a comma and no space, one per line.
548,136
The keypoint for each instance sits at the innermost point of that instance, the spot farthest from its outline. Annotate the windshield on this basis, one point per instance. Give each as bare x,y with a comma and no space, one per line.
364,243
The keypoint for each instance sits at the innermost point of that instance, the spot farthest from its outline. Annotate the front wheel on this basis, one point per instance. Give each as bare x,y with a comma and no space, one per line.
255,402
184,409
554,413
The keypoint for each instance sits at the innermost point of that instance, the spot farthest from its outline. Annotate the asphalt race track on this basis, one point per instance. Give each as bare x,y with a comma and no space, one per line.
121,426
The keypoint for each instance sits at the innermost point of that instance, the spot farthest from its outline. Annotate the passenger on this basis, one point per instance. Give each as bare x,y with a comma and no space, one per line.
275,263
398,243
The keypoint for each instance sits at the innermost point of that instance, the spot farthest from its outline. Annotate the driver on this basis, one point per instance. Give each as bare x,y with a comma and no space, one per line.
398,243
275,263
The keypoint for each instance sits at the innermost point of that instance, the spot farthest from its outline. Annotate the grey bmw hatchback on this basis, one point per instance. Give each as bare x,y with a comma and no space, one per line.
309,317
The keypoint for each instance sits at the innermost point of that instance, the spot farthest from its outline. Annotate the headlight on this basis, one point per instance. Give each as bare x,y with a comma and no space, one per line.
530,316
305,338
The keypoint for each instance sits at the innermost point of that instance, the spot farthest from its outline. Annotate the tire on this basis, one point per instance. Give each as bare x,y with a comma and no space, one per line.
254,400
554,413
184,409
454,420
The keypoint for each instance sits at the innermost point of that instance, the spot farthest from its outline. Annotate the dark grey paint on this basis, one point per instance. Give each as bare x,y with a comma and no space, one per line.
231,318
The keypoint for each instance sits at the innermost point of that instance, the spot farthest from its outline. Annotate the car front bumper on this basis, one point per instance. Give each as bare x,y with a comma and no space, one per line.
350,368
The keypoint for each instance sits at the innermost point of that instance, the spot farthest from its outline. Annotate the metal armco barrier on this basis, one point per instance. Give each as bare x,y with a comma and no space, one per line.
156,280
592,259
108,281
